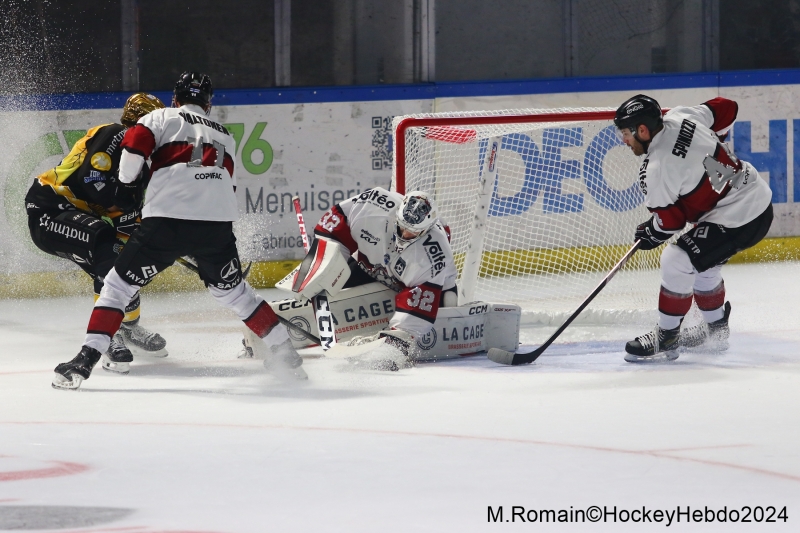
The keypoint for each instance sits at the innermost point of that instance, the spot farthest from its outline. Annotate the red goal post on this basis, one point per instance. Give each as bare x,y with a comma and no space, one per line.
540,203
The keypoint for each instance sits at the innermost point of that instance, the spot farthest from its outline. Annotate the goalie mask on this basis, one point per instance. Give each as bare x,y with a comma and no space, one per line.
416,215
137,106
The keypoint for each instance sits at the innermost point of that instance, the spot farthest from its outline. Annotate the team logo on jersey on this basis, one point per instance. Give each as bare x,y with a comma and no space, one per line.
435,254
427,341
701,232
99,185
149,271
94,175
230,272
377,198
369,237
44,220
400,266
101,161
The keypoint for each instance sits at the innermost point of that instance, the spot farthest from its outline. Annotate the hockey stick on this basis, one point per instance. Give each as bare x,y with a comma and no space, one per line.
294,327
322,309
511,358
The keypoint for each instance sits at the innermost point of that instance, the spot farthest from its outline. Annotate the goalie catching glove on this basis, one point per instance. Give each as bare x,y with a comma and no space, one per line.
649,235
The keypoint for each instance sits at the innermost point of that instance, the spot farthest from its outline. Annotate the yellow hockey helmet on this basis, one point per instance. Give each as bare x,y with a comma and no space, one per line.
138,106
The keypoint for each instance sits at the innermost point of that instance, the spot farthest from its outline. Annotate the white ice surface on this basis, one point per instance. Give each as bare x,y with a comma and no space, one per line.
204,442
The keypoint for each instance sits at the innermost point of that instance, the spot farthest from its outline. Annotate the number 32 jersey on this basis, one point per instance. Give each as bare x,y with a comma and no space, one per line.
419,271
192,170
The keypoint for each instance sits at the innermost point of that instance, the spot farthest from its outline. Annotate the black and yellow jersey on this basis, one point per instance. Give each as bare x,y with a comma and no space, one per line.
85,179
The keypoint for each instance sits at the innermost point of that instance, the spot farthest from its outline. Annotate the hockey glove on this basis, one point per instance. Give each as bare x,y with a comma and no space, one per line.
649,235
128,196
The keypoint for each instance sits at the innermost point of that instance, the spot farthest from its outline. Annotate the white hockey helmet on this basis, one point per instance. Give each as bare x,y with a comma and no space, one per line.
416,215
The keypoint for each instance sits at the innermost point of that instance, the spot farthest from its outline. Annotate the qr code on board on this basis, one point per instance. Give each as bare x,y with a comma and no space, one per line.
381,143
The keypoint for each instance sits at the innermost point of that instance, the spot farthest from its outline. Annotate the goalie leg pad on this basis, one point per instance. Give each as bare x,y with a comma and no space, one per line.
470,329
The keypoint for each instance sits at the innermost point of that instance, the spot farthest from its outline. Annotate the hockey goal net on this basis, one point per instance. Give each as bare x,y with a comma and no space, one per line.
541,203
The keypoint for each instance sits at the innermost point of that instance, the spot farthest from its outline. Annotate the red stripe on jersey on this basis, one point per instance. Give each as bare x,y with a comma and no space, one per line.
724,111
105,321
710,300
691,207
723,157
181,152
139,140
674,304
318,256
262,320
333,225
421,301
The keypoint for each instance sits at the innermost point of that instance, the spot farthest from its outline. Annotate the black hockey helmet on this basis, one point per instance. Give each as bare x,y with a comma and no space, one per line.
641,109
194,88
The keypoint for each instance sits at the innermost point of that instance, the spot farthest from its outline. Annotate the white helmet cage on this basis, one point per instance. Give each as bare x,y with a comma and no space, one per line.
417,213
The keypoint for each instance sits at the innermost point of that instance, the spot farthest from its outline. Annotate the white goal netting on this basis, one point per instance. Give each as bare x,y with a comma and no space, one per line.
541,204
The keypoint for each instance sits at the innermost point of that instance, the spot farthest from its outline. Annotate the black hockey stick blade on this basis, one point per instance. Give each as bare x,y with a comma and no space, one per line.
504,357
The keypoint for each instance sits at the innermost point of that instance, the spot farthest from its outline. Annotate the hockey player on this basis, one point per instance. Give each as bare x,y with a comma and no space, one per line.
72,213
398,241
189,209
689,175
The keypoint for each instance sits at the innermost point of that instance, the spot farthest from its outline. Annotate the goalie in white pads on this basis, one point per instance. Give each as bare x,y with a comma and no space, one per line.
398,241
688,175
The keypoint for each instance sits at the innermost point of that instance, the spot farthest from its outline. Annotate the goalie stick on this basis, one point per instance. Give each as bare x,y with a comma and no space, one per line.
294,327
322,309
512,358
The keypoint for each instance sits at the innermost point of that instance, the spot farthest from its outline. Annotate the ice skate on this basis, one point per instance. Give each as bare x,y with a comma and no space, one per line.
284,362
711,337
658,345
69,376
118,357
142,341
247,351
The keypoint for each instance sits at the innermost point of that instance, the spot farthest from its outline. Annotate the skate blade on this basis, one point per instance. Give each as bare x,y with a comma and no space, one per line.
141,352
710,346
117,368
661,357
63,383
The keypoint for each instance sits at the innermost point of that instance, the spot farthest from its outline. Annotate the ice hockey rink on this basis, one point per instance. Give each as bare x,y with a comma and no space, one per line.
204,442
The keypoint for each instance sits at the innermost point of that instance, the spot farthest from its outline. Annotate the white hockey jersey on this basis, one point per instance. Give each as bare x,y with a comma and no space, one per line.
675,182
365,224
192,170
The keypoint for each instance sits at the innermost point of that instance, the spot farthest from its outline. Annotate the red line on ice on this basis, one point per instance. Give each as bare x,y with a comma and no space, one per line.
62,468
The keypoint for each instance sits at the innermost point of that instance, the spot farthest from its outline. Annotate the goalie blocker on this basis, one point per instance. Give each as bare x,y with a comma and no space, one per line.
365,310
